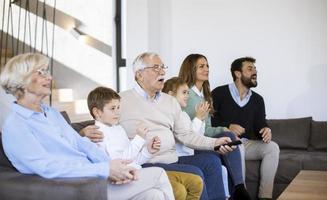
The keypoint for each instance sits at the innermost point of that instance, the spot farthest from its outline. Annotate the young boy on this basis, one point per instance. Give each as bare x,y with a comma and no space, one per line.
177,88
104,106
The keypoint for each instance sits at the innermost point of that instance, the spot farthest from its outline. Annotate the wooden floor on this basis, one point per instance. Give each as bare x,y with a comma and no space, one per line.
307,185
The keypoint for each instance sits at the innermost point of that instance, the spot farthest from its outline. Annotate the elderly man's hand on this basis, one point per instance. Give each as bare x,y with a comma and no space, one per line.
121,173
224,148
92,132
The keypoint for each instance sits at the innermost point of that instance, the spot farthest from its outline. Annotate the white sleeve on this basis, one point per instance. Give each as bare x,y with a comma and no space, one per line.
184,134
198,126
134,148
143,156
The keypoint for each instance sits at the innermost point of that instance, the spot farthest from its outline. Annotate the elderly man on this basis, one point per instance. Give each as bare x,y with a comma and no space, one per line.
164,118
243,111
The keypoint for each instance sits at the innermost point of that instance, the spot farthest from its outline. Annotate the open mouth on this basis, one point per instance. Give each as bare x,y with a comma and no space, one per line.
47,85
161,80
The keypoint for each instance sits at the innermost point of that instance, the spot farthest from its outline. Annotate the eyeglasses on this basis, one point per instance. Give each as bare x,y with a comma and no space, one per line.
43,72
157,68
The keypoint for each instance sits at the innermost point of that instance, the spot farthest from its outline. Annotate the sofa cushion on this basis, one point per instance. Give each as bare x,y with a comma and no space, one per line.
318,138
15,185
252,170
4,161
80,125
290,163
66,117
291,133
316,160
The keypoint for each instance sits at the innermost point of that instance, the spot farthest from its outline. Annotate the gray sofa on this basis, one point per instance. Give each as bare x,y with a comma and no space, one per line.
17,186
303,146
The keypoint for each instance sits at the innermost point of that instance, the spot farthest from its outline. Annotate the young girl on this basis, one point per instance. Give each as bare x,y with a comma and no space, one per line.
177,88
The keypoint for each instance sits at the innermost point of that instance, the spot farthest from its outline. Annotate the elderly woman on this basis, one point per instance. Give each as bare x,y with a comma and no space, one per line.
38,140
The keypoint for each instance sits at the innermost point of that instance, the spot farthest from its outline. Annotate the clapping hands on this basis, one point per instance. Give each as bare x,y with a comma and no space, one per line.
202,110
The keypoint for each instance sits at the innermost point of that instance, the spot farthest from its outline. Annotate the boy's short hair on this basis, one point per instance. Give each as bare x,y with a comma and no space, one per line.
171,85
99,97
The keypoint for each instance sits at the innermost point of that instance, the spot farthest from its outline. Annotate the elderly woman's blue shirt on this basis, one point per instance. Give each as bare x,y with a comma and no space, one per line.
44,143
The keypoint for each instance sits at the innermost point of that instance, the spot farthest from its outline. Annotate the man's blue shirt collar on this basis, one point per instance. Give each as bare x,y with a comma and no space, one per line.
236,95
144,95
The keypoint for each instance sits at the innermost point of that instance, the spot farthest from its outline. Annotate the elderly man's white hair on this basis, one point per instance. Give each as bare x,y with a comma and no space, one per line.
139,64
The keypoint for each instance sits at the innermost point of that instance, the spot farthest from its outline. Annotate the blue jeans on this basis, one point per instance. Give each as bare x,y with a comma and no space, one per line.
207,166
231,160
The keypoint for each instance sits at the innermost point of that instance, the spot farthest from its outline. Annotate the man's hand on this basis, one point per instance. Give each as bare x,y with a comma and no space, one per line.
121,173
265,134
202,110
237,129
154,145
224,148
92,133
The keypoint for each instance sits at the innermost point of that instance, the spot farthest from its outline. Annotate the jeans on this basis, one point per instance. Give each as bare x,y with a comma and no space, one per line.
207,166
231,160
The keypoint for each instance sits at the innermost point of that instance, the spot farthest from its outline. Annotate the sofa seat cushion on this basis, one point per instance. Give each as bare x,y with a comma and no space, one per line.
290,163
15,185
316,160
318,139
252,170
291,133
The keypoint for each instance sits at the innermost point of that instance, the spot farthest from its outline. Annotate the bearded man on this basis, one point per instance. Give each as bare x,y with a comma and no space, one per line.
243,112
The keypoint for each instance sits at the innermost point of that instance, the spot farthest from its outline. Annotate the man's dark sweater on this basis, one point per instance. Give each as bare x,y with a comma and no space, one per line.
252,116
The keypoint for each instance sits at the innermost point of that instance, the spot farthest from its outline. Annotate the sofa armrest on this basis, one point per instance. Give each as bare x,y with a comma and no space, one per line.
14,185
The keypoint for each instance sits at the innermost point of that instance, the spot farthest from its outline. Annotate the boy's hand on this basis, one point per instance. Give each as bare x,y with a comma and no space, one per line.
202,110
92,133
141,130
154,145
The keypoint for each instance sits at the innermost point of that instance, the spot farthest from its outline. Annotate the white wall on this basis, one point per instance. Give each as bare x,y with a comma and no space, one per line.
287,37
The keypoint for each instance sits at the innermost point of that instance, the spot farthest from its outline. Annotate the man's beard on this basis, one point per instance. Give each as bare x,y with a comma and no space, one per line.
248,82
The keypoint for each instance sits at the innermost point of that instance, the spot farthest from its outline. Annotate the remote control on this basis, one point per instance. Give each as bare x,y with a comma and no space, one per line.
236,142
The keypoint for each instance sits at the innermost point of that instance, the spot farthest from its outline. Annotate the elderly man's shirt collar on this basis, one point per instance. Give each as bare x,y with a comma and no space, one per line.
139,90
27,113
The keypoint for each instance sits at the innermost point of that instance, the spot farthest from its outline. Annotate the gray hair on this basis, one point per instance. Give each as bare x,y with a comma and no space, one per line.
139,64
17,72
